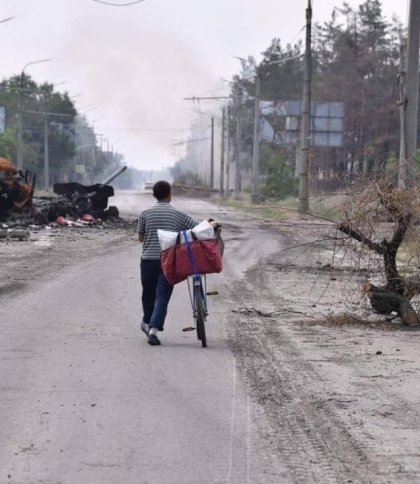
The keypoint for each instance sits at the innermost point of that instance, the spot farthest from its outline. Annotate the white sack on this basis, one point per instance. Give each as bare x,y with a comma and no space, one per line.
204,230
166,238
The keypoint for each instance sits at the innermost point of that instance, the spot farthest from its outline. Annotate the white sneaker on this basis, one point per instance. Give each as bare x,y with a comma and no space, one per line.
145,328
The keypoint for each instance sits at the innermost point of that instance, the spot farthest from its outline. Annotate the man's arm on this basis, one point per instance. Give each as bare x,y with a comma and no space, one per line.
141,228
189,222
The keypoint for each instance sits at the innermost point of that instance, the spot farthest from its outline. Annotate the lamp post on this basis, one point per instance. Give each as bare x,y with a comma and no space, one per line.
20,113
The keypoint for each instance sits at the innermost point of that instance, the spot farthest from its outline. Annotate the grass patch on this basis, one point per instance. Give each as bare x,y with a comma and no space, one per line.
267,210
320,205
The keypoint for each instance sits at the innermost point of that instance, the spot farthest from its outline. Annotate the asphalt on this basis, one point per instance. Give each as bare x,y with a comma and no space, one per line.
85,399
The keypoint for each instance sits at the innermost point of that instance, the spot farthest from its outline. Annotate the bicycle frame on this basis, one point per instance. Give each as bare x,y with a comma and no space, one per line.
193,281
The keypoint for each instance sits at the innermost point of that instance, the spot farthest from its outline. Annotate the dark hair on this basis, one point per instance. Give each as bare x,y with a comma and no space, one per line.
161,190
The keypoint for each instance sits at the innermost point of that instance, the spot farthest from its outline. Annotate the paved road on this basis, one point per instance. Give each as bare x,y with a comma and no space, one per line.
84,399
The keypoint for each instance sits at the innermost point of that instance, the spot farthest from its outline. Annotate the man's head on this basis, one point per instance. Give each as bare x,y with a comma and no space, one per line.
162,191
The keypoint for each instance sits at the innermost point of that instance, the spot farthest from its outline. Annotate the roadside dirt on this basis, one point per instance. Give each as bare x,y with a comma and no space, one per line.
337,386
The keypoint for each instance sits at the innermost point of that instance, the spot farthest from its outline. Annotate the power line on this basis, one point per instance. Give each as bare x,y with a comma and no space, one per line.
198,99
118,4
179,143
152,130
297,35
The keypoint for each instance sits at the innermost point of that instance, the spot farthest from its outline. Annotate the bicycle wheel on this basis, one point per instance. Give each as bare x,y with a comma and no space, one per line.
200,315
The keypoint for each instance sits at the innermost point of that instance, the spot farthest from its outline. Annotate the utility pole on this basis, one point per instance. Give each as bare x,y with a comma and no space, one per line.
256,145
209,98
227,190
20,110
93,161
46,154
46,115
402,165
19,163
412,85
238,146
306,116
222,153
212,154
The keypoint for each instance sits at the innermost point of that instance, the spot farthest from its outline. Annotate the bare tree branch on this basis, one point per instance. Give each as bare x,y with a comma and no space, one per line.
357,235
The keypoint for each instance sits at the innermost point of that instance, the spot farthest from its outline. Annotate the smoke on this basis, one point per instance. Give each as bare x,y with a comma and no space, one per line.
135,64
136,75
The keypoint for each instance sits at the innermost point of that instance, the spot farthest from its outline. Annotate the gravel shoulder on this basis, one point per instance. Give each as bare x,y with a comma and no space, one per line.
339,395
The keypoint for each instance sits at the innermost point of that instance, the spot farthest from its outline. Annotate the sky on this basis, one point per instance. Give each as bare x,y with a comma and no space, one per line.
130,68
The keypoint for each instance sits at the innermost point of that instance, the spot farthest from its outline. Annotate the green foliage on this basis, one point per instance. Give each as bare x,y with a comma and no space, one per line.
36,100
355,61
392,161
188,178
7,143
280,182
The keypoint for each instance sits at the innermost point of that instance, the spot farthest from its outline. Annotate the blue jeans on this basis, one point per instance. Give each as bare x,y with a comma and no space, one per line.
156,293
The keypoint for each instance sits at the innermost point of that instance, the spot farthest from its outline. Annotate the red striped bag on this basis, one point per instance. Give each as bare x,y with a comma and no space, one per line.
184,259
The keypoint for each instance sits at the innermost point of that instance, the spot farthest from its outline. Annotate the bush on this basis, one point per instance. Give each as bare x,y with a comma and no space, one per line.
279,182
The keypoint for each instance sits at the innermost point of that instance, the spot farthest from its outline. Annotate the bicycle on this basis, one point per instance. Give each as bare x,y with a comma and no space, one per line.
197,289
198,299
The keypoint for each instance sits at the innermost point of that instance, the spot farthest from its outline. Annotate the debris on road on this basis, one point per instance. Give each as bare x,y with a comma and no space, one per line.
71,205
20,234
16,191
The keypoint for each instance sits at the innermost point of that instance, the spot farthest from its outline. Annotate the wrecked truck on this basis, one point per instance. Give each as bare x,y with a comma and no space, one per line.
16,188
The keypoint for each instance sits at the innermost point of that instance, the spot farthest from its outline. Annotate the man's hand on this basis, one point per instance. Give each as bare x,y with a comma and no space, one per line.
213,222
141,238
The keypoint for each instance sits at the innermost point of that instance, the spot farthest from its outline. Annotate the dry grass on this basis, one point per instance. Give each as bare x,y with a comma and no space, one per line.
346,319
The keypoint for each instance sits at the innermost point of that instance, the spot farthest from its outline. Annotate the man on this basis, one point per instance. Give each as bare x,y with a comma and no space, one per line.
156,289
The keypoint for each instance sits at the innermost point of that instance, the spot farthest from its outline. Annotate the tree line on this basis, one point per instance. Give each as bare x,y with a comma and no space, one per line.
72,142
355,61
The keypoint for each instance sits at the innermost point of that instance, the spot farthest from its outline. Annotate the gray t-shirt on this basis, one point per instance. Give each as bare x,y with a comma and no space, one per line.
162,216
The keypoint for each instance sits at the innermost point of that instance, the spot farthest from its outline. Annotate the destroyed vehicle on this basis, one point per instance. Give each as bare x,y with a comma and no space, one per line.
16,190
90,199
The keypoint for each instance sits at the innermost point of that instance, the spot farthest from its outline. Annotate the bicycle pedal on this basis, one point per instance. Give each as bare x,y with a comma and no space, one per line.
189,328
212,293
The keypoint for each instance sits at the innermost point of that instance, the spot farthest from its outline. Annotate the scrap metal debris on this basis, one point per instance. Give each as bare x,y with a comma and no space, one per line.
249,311
16,191
72,204
19,234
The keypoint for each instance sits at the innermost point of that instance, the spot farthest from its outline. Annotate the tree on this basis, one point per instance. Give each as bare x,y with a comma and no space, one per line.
279,180
380,218
355,62
37,99
362,72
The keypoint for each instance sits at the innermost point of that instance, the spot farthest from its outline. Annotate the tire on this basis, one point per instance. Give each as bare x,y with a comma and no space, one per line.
200,316
113,212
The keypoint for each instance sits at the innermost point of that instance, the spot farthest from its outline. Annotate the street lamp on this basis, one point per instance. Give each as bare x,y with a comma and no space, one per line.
20,113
